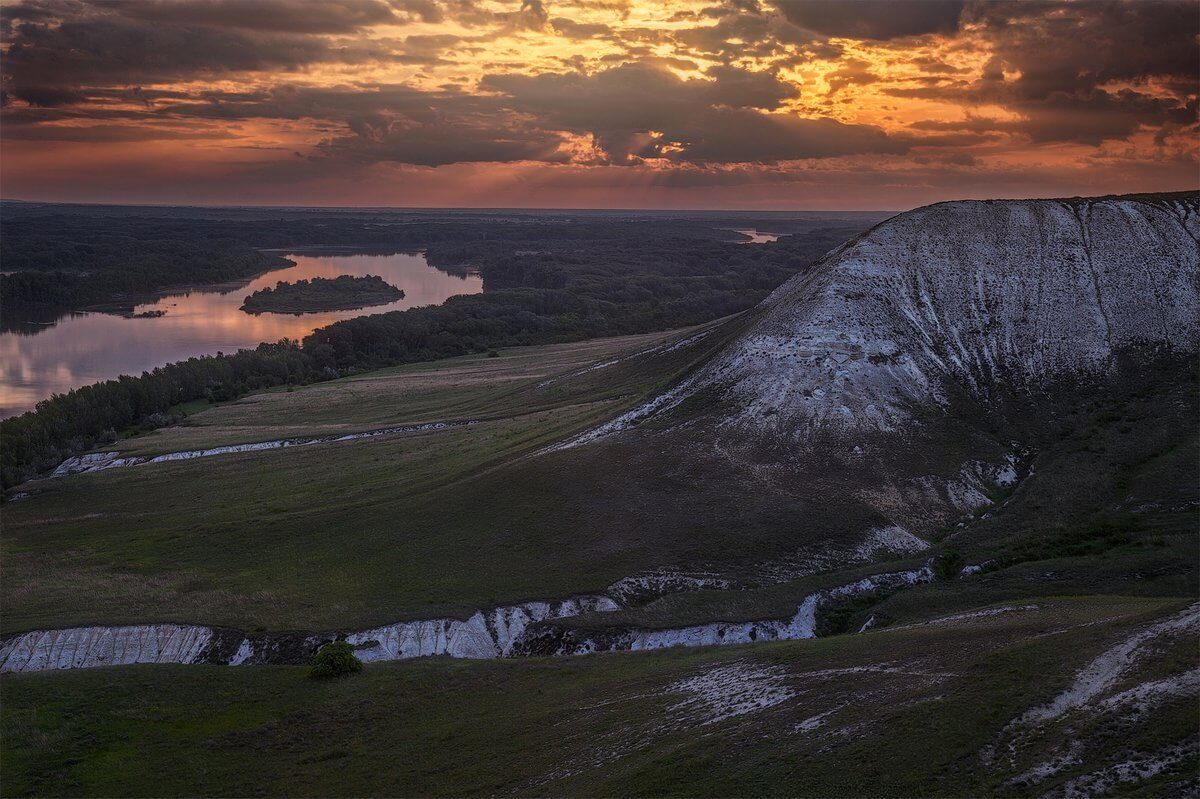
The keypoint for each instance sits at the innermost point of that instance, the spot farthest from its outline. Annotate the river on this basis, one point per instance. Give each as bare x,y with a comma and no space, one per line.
82,348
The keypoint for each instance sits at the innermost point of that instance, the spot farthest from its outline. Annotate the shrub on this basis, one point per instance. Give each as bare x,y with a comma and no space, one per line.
947,565
334,660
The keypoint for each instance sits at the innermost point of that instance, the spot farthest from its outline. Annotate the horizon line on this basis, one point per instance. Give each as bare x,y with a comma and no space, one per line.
457,207
544,209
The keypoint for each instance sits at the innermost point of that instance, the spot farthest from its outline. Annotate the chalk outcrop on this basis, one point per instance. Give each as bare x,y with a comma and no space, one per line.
558,641
484,635
510,631
955,298
86,647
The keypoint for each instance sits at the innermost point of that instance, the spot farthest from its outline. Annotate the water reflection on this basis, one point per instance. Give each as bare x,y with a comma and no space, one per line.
83,348
758,238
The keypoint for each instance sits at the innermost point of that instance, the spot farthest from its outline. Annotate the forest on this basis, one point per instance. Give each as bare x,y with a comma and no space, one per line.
323,294
61,262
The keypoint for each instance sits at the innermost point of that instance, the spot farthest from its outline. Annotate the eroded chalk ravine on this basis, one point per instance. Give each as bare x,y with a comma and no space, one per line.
508,631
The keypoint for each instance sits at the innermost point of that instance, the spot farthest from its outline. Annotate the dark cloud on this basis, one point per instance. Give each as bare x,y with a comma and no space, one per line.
57,60
851,72
740,33
873,19
579,30
1071,46
1084,72
1081,72
632,111
741,88
290,16
934,65
96,134
642,111
442,141
388,123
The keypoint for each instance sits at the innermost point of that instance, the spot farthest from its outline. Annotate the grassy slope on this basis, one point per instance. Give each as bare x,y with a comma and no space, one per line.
911,712
334,534
360,533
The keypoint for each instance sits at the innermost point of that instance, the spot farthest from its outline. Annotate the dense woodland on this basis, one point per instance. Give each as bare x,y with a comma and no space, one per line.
546,280
89,264
323,294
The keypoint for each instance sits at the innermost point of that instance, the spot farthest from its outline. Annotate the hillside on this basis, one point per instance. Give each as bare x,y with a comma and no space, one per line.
974,298
921,360
930,508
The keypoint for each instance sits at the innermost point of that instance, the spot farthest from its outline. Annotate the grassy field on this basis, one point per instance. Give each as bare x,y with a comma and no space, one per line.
907,711
469,387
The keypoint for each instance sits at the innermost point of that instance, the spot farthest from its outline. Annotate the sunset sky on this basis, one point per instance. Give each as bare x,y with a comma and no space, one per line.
595,103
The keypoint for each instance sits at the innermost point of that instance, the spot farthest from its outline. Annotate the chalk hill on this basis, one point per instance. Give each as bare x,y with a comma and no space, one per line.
956,299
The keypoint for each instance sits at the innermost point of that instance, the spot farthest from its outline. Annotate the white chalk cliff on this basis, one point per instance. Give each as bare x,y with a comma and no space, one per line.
968,295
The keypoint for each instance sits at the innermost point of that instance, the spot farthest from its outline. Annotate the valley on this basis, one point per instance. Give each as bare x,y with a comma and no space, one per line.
898,515
695,399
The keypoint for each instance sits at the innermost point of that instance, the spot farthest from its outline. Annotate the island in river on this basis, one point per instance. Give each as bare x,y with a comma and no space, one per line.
323,294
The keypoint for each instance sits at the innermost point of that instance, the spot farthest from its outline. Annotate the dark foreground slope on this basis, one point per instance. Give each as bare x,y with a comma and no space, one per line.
994,701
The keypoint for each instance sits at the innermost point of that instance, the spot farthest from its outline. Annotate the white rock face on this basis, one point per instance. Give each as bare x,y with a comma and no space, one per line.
1099,676
893,539
500,632
629,590
86,647
970,294
800,626
486,634
728,691
483,635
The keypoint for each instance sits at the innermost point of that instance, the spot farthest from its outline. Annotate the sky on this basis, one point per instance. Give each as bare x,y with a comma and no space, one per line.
713,104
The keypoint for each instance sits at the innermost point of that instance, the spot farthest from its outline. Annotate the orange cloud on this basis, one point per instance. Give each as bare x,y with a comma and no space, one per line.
795,103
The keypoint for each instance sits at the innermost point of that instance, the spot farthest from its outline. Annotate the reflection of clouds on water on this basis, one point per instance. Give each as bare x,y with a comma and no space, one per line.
85,348
759,238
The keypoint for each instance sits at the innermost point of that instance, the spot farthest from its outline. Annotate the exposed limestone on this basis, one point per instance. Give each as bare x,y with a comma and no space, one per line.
657,349
1093,698
1139,767
975,568
509,631
483,635
973,615
889,540
1103,672
958,296
730,690
99,461
1145,696
813,722
632,590
558,640
85,647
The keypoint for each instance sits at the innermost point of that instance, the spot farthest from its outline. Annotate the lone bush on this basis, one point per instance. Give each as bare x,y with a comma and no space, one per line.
334,660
